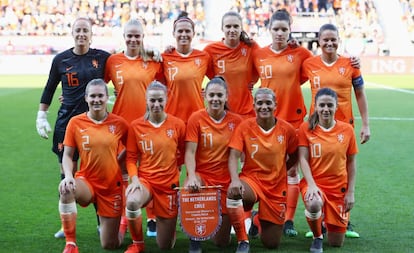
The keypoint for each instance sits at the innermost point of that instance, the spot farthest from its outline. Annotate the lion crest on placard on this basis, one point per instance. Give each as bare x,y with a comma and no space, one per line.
200,229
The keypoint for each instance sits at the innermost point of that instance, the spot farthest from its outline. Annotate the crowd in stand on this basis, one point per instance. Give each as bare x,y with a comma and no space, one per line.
407,7
357,19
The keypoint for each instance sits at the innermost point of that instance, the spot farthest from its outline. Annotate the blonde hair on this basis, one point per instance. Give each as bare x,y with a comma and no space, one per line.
137,23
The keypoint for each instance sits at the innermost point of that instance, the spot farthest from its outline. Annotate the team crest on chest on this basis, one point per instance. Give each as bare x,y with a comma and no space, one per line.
244,51
112,129
341,71
144,65
280,139
197,62
340,138
231,126
289,58
170,133
95,63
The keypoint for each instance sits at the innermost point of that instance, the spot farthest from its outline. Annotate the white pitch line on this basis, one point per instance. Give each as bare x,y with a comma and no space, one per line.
391,88
388,118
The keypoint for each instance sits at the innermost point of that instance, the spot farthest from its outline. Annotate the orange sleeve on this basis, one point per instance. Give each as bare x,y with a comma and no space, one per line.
132,152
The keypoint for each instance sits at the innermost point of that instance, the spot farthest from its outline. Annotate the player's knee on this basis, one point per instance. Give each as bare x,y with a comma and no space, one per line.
132,205
314,206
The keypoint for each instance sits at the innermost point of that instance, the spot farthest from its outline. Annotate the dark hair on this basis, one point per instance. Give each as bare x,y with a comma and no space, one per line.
244,37
183,17
219,80
96,82
154,85
280,15
314,118
326,27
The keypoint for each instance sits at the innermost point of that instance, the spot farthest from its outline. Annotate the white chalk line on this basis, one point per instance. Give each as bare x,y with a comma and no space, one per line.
390,88
388,118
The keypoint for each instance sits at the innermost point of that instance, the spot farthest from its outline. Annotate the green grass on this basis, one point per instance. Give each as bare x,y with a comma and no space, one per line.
383,215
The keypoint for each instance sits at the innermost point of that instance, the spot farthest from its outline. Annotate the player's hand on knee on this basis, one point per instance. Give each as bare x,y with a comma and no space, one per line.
68,184
42,125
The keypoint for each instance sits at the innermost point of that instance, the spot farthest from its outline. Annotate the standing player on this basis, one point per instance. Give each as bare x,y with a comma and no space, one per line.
154,141
335,72
131,72
327,150
208,134
232,59
96,135
279,67
270,148
184,71
73,68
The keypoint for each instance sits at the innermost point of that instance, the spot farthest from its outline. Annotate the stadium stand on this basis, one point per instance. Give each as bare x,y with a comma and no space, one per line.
361,29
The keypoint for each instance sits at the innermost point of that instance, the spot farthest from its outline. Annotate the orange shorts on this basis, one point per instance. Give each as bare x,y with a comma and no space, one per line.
109,201
164,200
272,207
223,190
335,218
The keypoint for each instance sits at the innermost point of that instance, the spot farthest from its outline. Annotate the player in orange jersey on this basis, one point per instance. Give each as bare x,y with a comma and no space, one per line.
327,150
73,69
131,71
208,134
279,67
334,71
96,135
232,58
154,141
184,71
270,147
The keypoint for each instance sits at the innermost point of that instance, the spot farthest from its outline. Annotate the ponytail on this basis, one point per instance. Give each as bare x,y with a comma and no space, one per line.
313,121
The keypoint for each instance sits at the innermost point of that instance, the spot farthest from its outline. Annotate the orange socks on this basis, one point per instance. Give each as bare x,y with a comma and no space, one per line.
292,201
237,216
315,223
135,225
150,211
123,227
68,214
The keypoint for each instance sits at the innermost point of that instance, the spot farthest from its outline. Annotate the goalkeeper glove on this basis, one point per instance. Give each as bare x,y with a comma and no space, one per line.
43,127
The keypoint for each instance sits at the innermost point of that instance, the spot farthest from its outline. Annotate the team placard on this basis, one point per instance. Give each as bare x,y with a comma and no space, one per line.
200,212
